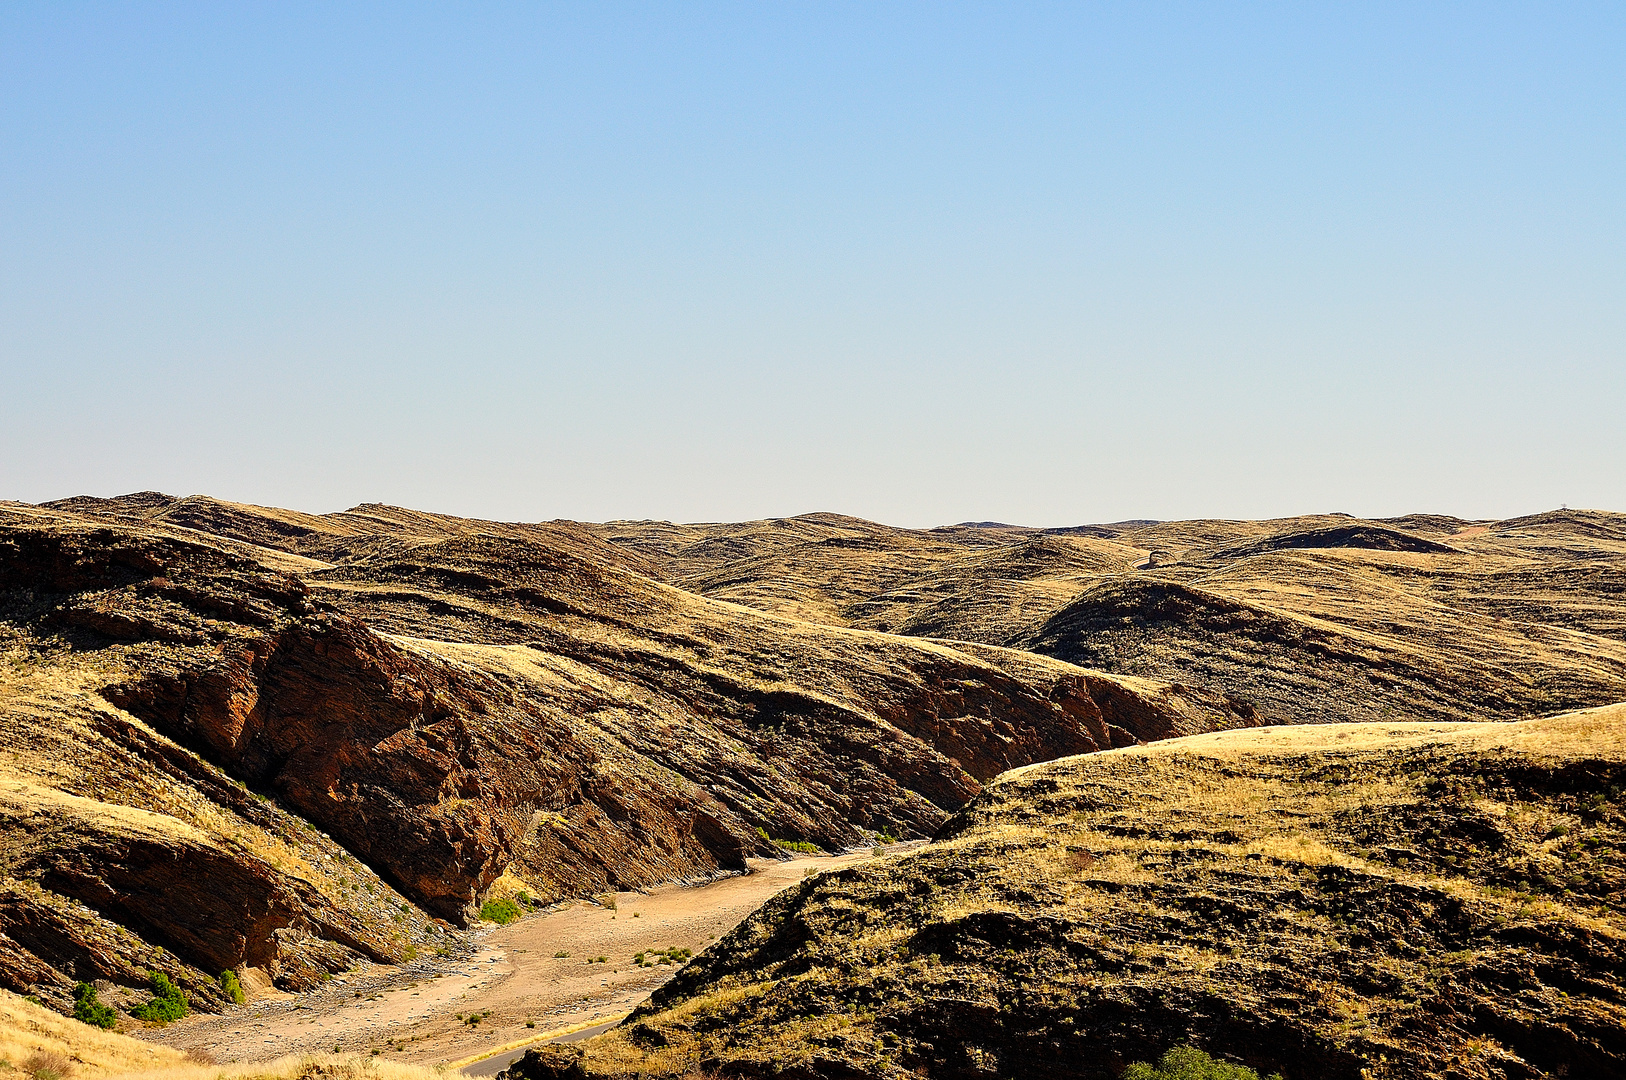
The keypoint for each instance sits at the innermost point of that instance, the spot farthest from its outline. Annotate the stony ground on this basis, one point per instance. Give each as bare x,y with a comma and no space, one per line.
514,980
308,747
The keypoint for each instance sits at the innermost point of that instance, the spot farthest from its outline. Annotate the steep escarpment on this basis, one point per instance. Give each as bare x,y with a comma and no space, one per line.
416,710
1365,901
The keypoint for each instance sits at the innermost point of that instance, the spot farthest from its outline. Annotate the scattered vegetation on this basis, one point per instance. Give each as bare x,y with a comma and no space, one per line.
673,955
89,1009
1189,1063
48,1065
799,846
499,910
233,988
168,1001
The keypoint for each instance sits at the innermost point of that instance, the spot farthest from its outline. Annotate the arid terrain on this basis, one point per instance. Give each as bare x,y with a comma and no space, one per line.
1377,900
313,749
531,979
253,739
1305,619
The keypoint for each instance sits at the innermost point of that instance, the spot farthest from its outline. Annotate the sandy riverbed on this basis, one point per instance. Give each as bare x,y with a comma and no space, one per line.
514,978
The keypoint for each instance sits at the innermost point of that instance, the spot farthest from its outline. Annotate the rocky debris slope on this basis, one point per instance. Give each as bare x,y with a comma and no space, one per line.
287,758
1363,902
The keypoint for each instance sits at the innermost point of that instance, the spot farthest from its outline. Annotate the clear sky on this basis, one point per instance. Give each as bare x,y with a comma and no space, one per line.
921,263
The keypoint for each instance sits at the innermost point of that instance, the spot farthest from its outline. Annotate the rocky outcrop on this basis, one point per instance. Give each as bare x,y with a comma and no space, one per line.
1405,901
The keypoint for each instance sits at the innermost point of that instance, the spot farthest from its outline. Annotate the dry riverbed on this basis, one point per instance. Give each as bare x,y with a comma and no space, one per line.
516,979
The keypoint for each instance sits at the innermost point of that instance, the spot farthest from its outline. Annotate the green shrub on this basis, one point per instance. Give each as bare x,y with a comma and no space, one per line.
234,989
1189,1063
88,1009
499,910
800,846
168,1001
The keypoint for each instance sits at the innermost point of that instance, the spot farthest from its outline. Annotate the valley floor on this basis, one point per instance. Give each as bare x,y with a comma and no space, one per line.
515,977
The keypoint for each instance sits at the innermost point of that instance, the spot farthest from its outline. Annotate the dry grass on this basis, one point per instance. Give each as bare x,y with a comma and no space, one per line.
30,1032
295,1067
1310,880
45,1046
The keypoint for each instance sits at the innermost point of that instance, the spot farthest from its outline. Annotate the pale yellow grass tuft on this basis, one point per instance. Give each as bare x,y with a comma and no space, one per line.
70,1050
294,1067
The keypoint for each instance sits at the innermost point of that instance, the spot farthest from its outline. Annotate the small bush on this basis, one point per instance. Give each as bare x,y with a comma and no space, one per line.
799,846
560,955
1189,1063
233,988
87,1008
499,910
168,1001
48,1065
674,955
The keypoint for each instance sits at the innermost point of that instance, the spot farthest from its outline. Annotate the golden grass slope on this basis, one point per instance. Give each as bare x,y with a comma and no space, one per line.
1311,619
1355,903
38,1043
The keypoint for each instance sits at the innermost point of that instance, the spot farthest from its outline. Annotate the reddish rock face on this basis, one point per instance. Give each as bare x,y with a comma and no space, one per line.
376,746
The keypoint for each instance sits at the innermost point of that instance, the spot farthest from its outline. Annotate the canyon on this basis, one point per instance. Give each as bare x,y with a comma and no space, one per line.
302,747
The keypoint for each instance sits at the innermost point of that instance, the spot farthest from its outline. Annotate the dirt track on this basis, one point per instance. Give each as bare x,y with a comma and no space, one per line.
514,978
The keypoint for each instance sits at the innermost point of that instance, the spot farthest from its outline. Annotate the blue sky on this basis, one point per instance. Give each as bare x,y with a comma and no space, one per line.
921,263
